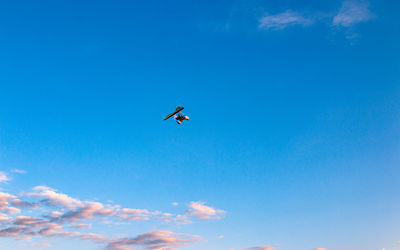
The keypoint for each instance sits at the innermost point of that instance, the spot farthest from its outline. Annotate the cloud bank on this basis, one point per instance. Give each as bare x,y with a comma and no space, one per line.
63,216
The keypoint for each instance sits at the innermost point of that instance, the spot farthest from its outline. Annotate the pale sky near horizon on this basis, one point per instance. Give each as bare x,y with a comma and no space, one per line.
292,144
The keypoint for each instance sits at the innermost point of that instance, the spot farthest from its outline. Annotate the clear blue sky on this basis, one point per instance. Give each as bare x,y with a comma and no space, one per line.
292,142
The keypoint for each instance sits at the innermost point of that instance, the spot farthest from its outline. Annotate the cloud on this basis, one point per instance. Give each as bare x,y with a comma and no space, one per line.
283,20
203,212
261,248
5,199
129,214
182,219
12,210
22,232
52,198
4,218
3,177
157,240
64,217
19,171
26,227
351,13
27,220
88,211
77,226
98,238
25,204
42,244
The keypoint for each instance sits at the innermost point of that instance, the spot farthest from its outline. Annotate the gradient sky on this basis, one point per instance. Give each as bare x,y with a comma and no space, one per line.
293,140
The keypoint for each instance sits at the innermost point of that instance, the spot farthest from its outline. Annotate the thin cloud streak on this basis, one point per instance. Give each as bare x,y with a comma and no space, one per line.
261,248
351,13
283,20
19,171
64,216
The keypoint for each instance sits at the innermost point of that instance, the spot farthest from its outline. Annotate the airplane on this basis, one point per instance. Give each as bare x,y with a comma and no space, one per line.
178,115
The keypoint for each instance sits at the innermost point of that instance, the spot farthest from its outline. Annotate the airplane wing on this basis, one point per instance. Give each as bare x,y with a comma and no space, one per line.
178,109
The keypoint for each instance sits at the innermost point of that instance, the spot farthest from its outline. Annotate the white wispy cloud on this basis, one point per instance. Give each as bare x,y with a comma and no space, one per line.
351,13
3,177
19,171
283,20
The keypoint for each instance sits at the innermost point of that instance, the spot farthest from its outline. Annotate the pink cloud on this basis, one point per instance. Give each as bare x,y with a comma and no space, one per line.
5,199
23,232
4,218
24,204
26,220
129,214
156,240
203,212
98,238
50,228
70,211
88,211
261,248
12,210
77,226
51,197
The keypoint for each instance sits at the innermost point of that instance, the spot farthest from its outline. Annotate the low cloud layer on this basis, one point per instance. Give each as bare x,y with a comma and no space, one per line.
63,216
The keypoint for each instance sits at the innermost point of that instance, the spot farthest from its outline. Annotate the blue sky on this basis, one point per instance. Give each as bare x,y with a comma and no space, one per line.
292,142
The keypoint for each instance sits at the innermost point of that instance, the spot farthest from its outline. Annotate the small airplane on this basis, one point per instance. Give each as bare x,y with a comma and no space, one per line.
178,115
